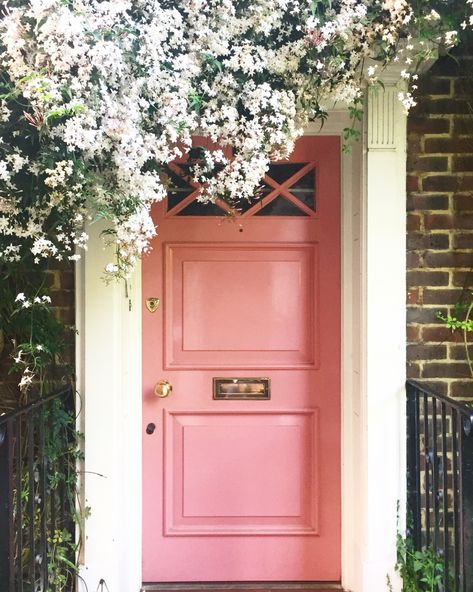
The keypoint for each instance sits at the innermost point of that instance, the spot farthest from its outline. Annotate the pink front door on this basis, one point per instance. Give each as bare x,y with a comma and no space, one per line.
245,488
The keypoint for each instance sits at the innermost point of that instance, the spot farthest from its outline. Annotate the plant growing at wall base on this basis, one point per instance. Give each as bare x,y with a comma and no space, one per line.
421,570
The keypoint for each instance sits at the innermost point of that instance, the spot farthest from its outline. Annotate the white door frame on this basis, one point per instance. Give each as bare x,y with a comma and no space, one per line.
373,372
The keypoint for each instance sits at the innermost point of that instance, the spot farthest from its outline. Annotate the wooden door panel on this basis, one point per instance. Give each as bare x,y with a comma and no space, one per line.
231,306
225,468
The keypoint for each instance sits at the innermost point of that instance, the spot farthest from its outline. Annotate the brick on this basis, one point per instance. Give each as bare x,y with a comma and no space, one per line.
420,201
427,278
450,259
424,315
448,145
432,85
414,143
450,106
413,334
413,222
412,370
462,389
463,87
414,296
413,260
462,279
462,163
448,222
429,164
458,352
436,385
463,202
441,370
441,296
67,280
463,240
63,298
462,126
441,183
412,183
465,182
440,335
67,316
417,240
428,125
426,352
52,279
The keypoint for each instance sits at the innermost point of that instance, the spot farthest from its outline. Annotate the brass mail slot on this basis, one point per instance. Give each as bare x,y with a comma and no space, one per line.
242,388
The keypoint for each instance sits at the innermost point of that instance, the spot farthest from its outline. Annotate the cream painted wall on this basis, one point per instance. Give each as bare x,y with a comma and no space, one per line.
109,351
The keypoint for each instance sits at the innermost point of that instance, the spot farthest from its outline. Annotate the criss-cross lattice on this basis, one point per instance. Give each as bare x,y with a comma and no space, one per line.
288,189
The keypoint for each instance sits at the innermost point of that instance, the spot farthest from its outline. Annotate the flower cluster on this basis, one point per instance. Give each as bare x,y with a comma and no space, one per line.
30,356
98,96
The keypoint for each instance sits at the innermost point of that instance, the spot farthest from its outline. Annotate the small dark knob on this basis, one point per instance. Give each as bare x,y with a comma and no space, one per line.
150,428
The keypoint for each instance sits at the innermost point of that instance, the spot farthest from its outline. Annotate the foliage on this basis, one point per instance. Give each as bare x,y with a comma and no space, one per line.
463,308
96,97
420,570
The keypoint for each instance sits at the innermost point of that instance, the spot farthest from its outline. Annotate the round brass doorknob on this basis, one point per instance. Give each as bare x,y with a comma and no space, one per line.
163,389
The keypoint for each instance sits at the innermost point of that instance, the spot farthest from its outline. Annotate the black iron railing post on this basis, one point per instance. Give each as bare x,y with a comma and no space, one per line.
413,468
467,501
6,507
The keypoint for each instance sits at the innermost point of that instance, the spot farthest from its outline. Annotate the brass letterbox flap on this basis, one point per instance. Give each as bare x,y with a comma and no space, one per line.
242,388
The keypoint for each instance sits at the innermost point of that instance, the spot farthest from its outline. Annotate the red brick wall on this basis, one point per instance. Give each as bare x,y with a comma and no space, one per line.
440,225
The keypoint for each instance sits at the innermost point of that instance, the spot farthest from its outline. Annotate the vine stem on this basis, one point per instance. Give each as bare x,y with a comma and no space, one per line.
465,338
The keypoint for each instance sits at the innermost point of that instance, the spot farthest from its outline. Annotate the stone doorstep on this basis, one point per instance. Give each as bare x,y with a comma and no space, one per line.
246,586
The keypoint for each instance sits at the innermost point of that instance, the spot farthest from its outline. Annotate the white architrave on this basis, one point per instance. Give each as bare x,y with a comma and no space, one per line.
382,471
109,368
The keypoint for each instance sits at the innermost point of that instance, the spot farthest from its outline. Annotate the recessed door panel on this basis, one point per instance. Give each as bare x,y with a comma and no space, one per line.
225,468
241,379
231,307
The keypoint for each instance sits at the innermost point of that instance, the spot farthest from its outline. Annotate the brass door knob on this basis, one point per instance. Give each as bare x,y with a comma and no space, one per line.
163,389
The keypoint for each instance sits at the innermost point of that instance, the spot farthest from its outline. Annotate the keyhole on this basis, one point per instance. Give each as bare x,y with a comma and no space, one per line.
150,428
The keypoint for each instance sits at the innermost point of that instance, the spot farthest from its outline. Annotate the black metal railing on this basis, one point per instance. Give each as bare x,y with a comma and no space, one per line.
440,481
37,448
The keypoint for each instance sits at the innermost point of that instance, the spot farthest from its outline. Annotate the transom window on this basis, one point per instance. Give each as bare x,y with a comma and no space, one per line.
288,189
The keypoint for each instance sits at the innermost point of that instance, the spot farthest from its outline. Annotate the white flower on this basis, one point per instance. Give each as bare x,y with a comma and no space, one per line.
20,297
124,87
26,379
111,268
433,16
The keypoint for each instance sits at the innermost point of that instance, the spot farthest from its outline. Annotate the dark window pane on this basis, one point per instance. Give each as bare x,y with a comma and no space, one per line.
243,205
197,208
283,172
175,196
304,189
280,207
178,188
